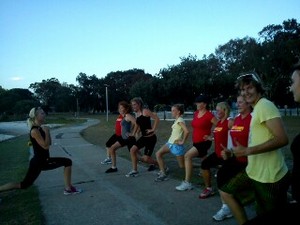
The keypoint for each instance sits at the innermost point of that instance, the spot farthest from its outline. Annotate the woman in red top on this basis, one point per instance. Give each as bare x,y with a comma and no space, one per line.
220,136
113,139
233,165
202,125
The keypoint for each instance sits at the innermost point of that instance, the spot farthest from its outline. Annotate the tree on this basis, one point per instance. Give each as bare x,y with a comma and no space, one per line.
13,101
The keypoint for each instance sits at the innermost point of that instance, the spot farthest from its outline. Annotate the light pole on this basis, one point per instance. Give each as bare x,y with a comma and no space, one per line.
106,96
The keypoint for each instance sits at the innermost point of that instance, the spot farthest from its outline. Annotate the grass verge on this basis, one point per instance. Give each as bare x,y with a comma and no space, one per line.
17,206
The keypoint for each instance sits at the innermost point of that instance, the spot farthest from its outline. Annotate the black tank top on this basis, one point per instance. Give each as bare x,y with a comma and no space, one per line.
144,123
39,152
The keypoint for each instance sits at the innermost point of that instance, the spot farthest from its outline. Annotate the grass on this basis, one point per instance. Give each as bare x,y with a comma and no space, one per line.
17,207
23,206
106,129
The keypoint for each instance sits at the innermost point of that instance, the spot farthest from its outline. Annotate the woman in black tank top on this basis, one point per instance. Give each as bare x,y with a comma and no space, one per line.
41,160
148,138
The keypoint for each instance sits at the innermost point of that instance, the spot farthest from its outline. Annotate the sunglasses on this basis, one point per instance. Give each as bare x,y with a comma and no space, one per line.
249,76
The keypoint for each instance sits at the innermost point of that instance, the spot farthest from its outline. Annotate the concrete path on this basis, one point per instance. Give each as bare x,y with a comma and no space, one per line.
113,198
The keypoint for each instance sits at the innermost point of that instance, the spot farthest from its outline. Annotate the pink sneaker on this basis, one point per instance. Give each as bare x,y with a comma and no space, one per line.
206,193
73,190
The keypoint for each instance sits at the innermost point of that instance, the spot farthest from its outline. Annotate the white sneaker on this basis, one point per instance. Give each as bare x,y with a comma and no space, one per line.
132,173
222,214
184,186
161,177
106,161
166,171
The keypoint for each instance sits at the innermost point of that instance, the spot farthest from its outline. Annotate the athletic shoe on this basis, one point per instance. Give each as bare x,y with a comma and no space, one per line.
132,173
206,193
161,177
106,161
223,214
152,167
184,186
111,170
166,171
73,190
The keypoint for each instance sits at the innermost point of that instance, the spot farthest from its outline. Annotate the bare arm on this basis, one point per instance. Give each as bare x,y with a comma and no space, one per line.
154,116
44,143
185,133
133,123
279,140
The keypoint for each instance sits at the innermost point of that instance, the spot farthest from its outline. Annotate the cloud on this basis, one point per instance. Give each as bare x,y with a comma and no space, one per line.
16,78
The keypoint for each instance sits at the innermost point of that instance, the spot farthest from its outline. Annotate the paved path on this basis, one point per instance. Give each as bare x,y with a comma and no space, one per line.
113,198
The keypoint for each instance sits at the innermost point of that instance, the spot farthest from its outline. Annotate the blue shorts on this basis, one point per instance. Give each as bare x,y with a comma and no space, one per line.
177,150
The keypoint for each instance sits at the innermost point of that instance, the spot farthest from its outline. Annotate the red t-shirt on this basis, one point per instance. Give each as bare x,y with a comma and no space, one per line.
221,136
118,127
201,126
240,132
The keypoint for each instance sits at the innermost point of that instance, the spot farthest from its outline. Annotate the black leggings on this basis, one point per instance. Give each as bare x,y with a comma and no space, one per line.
36,166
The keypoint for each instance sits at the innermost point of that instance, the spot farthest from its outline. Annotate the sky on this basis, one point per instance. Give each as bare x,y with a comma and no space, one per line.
40,40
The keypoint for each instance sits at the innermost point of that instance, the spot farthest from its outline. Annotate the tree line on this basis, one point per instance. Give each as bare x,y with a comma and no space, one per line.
271,55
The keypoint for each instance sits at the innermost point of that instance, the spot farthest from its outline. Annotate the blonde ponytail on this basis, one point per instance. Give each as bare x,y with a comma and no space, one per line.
32,115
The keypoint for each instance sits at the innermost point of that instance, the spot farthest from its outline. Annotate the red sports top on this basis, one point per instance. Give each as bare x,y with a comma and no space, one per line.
118,127
240,132
221,136
201,126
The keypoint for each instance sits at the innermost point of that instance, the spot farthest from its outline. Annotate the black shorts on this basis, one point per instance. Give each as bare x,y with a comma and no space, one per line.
229,169
113,139
130,141
202,147
148,143
211,161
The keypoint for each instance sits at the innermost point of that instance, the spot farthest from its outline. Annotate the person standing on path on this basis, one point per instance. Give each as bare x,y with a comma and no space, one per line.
239,132
266,174
175,143
113,139
287,213
128,122
147,139
220,136
41,161
202,124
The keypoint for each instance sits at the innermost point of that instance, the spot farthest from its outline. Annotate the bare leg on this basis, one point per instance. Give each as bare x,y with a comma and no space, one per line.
112,153
67,177
206,177
180,160
133,155
149,160
10,186
189,155
236,208
159,157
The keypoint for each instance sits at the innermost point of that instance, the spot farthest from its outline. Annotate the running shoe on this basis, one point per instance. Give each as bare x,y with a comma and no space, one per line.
184,186
111,170
151,167
132,173
161,177
166,171
223,214
106,161
73,190
206,193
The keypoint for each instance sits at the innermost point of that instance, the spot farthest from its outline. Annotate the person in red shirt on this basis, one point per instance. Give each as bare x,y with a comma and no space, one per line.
113,139
202,124
215,159
232,165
